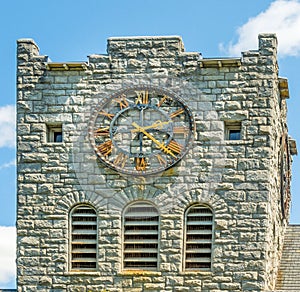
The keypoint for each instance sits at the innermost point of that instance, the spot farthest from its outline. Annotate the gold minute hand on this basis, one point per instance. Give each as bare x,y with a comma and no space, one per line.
161,145
157,124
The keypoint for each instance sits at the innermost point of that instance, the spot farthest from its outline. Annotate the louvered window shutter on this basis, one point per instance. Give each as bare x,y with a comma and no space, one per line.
141,233
83,238
198,240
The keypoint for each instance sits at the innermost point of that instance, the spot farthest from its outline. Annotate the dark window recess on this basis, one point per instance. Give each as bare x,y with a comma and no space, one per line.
57,137
234,135
83,239
198,239
141,237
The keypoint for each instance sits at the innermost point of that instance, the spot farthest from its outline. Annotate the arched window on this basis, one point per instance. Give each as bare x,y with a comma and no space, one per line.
141,233
83,238
198,237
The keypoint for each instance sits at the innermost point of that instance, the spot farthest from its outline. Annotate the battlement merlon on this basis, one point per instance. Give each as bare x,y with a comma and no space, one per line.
267,44
147,46
28,51
28,46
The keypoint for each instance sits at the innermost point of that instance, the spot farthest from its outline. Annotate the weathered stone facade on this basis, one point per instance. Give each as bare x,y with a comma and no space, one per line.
240,180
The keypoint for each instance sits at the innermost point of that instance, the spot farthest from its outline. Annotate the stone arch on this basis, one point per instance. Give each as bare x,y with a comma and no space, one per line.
73,198
132,193
196,195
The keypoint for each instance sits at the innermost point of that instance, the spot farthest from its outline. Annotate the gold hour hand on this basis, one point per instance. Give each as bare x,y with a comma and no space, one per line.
159,144
155,125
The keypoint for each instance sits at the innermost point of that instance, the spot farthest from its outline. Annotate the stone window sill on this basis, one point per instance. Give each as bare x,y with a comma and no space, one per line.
139,273
236,142
50,144
83,273
195,273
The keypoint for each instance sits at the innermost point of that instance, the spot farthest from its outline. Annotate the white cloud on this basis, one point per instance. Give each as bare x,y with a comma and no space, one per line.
7,126
7,254
282,17
8,164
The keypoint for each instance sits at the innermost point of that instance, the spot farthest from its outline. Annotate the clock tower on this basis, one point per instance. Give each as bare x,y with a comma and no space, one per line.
152,169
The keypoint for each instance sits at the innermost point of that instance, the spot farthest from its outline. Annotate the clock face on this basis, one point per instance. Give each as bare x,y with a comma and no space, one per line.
141,130
285,175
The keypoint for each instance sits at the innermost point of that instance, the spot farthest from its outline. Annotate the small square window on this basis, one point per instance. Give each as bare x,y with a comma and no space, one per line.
54,134
233,131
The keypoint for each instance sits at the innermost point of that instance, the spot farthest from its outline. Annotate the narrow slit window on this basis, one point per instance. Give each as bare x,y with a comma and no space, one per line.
55,133
233,131
141,232
198,238
83,238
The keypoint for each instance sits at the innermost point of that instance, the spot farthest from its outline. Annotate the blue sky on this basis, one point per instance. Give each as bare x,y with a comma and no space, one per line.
69,30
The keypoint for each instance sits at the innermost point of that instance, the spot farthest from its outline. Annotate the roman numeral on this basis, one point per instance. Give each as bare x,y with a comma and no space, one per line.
122,101
163,99
104,113
120,160
175,147
140,163
102,131
142,97
105,148
180,130
161,160
176,113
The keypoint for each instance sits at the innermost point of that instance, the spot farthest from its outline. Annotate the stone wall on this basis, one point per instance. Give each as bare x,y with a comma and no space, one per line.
239,180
